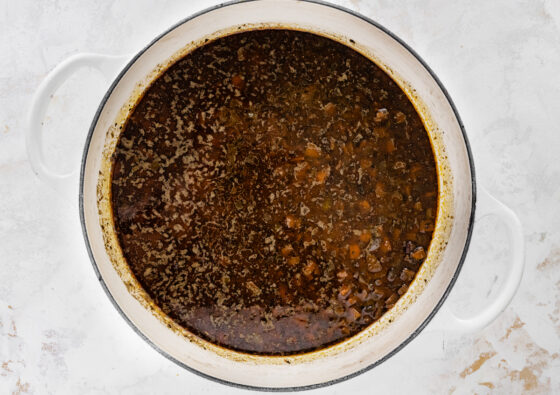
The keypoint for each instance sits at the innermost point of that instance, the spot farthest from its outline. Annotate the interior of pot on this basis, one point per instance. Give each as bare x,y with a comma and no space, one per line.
412,310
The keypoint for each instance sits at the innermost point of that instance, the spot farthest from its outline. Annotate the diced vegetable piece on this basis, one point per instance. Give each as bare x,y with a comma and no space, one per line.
364,206
330,109
286,250
400,117
322,175
238,81
385,246
310,268
381,115
293,260
342,274
391,300
312,151
402,290
352,300
419,253
366,163
390,145
379,190
373,264
365,236
407,275
292,221
353,314
344,290
354,251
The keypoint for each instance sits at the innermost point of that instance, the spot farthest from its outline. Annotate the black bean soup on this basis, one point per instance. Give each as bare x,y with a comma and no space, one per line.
274,192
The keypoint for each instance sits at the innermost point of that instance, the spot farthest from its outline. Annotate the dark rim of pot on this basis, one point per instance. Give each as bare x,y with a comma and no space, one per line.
288,388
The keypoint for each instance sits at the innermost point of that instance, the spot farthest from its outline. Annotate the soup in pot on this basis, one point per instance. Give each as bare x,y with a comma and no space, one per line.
274,192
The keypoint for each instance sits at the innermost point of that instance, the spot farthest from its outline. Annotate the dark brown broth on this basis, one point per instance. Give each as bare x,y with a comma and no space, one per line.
274,192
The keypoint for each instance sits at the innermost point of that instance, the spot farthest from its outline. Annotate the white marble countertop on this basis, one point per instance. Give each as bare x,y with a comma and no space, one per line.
500,61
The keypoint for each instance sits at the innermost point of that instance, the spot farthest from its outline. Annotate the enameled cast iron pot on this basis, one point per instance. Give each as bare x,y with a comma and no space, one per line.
456,207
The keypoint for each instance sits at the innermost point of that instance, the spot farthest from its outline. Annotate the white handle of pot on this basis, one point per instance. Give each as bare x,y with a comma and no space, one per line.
488,205
108,65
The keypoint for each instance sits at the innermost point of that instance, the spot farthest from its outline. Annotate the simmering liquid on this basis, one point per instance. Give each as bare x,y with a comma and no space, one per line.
274,192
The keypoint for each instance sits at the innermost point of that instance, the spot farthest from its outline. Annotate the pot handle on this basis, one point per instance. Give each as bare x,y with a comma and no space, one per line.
108,65
488,205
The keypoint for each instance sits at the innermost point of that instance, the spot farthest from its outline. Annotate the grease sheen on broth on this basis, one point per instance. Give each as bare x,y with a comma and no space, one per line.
274,192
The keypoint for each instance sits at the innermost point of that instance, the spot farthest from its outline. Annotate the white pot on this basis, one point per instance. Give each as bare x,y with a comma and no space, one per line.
456,207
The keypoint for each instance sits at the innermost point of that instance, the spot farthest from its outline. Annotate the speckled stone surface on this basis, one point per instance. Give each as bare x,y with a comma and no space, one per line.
60,334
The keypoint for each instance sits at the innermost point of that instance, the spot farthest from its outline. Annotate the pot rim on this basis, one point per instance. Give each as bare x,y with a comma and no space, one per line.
288,388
